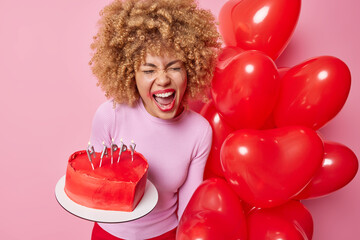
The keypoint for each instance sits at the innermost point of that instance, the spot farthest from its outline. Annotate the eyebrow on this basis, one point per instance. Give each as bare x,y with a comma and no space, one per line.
167,65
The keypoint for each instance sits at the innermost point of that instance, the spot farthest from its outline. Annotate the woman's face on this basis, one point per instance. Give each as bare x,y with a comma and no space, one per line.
161,82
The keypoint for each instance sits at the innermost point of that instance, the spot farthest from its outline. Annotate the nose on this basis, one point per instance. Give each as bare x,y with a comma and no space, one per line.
162,79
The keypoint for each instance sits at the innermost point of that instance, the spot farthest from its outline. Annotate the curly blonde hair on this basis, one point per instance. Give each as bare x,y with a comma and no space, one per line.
129,29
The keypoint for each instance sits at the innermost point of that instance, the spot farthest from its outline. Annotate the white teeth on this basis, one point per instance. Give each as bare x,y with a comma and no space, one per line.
164,95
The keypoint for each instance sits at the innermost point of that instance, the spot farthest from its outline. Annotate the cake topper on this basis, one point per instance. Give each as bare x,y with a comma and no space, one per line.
132,147
90,151
104,152
114,148
123,148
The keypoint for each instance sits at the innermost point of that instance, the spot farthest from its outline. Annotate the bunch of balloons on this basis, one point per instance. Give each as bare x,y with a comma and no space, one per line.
266,154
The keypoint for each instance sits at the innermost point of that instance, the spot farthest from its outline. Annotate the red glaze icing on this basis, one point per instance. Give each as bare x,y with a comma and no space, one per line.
118,186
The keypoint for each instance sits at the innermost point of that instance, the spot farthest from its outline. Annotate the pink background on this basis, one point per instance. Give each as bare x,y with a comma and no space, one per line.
48,97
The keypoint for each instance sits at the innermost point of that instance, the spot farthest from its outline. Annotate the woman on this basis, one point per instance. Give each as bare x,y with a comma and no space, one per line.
150,57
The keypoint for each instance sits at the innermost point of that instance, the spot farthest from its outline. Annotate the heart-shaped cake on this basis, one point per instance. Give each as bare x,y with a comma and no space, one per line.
114,184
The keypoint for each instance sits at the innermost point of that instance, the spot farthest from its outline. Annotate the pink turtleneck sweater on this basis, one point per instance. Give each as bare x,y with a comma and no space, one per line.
176,151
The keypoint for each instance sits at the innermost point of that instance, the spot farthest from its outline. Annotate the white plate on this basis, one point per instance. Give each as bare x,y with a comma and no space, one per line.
146,205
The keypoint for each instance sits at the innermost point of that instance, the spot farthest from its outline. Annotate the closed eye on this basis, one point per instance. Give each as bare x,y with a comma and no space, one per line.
148,71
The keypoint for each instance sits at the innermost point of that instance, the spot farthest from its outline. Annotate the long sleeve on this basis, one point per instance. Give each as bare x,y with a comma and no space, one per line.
176,150
102,125
196,171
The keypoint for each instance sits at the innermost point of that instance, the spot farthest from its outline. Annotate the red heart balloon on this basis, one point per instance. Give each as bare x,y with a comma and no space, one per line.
220,131
339,167
267,168
291,221
245,90
312,92
224,58
264,25
215,200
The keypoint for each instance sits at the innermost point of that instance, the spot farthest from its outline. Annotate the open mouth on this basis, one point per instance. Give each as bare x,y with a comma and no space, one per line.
165,100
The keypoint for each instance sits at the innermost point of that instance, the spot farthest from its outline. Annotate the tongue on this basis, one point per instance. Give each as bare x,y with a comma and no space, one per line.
166,100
